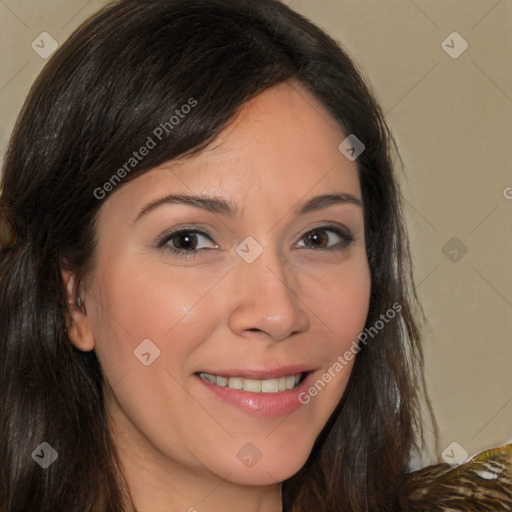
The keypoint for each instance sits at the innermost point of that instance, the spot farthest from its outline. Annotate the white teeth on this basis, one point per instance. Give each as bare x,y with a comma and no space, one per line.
210,378
221,381
233,382
270,386
290,382
254,385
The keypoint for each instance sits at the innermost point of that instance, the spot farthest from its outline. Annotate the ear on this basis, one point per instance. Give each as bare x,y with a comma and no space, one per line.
77,322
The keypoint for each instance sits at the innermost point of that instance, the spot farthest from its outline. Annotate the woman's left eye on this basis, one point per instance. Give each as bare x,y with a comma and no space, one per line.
327,238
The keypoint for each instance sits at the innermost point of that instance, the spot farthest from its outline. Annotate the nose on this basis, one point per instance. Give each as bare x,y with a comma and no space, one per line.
266,298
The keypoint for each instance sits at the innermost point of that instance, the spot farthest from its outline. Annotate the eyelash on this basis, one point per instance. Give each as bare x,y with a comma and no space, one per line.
162,241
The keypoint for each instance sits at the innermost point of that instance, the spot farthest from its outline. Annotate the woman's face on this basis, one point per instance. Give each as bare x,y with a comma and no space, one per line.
269,284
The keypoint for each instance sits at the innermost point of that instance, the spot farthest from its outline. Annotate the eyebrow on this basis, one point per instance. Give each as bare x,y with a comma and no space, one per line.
218,205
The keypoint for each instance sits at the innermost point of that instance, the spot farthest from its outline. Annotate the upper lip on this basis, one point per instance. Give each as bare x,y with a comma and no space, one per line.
262,373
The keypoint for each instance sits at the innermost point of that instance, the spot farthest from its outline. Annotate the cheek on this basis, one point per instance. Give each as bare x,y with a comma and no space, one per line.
340,300
167,316
137,302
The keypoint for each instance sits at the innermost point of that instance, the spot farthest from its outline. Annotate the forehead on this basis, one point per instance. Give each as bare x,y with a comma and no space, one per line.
282,144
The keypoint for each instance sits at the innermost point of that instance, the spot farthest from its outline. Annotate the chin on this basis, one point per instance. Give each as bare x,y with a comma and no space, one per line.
275,468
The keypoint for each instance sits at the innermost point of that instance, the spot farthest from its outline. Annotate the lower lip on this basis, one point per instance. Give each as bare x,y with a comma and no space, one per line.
261,405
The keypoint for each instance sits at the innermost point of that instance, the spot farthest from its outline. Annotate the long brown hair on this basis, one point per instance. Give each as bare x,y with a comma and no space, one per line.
120,75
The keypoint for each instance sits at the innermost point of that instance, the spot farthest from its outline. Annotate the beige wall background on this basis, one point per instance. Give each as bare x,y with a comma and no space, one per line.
450,109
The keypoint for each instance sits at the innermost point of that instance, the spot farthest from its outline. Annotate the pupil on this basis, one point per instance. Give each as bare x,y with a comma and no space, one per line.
184,239
315,237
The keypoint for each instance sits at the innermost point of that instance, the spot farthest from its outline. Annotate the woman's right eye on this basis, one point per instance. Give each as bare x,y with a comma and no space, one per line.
186,242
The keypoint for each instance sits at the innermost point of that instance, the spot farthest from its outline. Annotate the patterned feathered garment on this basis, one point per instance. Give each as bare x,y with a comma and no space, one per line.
482,484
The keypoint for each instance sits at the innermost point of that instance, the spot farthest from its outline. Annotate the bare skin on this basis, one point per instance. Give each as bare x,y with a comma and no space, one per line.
301,302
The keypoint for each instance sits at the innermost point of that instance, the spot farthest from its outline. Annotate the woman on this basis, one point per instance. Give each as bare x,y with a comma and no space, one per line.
207,305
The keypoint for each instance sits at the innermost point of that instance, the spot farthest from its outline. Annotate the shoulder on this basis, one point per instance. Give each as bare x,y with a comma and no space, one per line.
483,483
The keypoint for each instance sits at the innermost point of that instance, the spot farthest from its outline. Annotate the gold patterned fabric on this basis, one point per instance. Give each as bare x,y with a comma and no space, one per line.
481,484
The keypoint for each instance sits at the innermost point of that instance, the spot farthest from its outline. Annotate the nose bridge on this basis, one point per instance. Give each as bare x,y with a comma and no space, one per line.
267,294
271,272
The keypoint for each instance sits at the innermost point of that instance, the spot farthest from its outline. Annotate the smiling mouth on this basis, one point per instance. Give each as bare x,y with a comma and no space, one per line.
276,385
